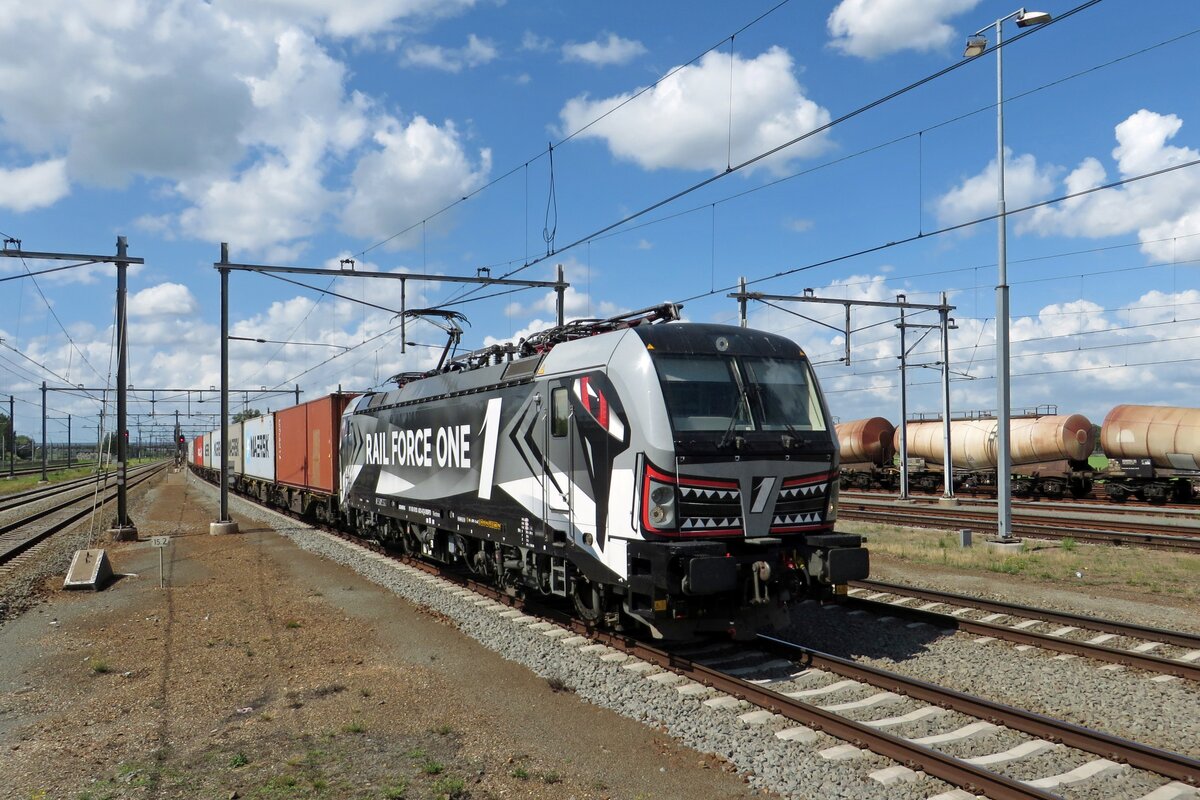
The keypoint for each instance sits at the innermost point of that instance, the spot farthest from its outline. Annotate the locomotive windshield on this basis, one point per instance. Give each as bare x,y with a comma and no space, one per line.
719,393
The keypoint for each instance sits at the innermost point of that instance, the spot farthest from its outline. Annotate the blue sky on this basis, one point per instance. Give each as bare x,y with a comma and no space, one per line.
308,131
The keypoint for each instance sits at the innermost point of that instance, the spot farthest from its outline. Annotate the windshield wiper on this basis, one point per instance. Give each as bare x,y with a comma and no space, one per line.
741,398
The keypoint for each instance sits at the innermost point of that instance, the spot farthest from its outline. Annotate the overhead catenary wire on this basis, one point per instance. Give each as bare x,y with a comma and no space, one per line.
568,137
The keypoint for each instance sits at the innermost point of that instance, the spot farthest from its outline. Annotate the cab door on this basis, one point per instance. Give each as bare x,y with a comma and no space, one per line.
558,465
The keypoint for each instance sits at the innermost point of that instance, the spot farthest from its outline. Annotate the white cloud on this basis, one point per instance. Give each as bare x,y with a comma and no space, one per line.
538,44
414,170
799,225
36,186
236,108
1158,208
684,121
975,197
339,18
451,59
163,300
603,53
644,244
876,28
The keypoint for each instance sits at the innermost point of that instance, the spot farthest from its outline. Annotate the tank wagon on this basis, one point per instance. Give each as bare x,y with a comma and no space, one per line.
1048,452
1154,452
680,477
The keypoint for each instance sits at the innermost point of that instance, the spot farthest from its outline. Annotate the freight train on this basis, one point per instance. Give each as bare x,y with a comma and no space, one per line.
1153,453
681,478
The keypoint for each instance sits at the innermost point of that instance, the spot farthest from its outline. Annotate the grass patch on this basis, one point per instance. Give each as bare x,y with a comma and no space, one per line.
397,791
449,788
354,727
551,777
238,760
100,667
291,623
520,773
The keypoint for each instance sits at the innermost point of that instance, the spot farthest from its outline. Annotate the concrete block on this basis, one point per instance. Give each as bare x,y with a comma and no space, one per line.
893,775
222,528
799,734
90,569
843,752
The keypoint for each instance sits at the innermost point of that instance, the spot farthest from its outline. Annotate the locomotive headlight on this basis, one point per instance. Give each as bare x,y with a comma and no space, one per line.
662,505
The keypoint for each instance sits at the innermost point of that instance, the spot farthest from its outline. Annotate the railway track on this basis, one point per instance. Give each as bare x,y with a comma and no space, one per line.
36,469
767,687
892,599
22,534
1181,535
18,499
1091,504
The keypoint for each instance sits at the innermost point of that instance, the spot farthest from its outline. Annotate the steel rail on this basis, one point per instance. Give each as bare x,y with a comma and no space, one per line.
1111,655
7,553
1178,638
1163,762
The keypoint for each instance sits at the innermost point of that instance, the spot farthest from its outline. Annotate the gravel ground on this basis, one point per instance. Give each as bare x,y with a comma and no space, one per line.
788,768
264,672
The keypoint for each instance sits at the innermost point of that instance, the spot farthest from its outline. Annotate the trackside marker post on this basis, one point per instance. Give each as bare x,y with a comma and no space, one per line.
161,543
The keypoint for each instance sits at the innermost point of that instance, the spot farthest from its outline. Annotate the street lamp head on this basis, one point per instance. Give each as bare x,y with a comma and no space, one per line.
1027,19
975,46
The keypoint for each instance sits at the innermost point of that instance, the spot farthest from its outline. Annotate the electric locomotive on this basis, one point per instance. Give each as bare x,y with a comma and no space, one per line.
682,477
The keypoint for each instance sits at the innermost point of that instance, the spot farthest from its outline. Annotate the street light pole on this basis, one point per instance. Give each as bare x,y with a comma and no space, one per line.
976,45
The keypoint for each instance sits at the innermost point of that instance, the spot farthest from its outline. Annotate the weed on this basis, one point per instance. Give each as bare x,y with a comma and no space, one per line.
433,768
325,691
397,791
443,730
551,777
416,753
239,760
354,727
1067,544
519,772
449,788
365,692
291,623
100,667
557,684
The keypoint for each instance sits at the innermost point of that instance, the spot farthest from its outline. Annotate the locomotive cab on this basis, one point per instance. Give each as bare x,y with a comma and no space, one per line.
736,506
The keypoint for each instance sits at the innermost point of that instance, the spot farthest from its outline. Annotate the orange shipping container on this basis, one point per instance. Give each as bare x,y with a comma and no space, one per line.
306,443
198,451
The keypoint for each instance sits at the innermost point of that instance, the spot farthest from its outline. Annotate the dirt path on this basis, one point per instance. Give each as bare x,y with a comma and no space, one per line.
265,672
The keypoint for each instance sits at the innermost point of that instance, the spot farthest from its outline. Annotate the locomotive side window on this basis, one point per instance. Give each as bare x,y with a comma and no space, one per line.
560,410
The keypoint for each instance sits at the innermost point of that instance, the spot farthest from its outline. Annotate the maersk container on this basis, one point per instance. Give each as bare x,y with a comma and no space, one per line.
306,443
1031,440
258,447
198,451
1168,435
866,441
